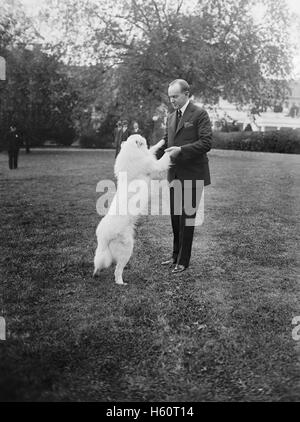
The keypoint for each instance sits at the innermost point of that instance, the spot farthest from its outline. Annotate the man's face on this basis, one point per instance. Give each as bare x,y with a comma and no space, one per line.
177,97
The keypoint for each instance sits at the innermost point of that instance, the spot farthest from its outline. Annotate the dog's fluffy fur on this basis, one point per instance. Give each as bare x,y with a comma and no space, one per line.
115,233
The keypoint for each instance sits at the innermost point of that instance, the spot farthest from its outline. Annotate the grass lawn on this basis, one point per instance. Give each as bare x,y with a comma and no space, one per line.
221,331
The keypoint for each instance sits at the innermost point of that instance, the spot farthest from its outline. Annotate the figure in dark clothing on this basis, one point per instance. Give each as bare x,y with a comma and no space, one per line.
294,111
124,134
117,136
13,146
188,139
136,130
248,128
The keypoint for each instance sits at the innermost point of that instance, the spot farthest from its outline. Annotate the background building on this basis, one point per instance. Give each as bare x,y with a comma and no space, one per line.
281,115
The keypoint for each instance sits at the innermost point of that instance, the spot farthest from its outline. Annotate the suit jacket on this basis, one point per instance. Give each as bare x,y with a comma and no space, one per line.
194,136
119,138
13,141
117,132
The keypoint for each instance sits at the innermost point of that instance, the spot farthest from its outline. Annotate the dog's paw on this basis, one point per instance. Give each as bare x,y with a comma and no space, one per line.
121,283
160,143
157,146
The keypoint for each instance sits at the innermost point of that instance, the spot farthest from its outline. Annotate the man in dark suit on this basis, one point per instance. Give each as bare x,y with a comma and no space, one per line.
117,136
136,130
123,135
187,140
13,140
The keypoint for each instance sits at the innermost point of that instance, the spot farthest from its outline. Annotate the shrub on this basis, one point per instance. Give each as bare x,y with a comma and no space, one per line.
66,136
282,141
93,139
104,140
88,140
105,134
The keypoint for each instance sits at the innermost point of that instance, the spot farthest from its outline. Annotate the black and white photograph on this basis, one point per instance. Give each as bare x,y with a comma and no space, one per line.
149,203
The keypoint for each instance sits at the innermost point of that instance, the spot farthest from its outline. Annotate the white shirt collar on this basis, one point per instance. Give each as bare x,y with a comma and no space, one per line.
183,108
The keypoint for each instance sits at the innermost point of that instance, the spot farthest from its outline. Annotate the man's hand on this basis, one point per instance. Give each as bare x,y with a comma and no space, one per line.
173,151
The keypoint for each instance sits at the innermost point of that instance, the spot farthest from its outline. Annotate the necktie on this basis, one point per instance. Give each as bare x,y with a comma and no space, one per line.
178,117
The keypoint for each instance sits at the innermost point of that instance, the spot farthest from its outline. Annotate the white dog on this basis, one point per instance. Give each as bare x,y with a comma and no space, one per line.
115,232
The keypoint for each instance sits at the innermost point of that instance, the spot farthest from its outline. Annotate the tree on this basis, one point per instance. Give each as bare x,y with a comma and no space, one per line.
37,94
217,46
12,21
120,56
16,28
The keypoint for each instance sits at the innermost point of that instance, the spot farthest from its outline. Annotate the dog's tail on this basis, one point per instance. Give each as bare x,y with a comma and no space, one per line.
103,257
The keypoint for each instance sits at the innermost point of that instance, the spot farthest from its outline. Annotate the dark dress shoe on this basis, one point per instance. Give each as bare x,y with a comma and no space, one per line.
178,269
168,262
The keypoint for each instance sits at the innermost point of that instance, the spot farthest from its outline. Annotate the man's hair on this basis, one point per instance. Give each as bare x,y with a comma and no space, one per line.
183,84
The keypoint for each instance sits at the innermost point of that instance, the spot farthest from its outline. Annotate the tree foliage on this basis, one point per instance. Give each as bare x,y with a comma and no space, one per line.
36,94
119,57
217,46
